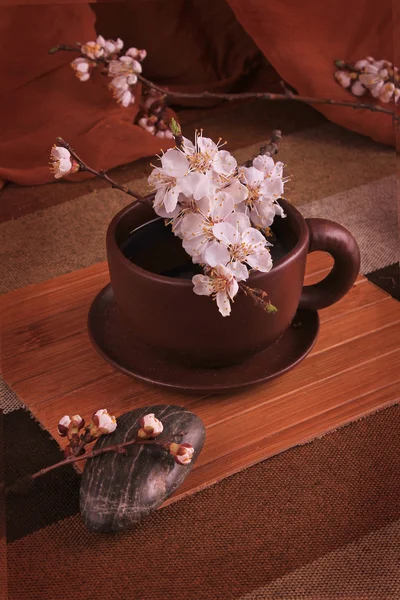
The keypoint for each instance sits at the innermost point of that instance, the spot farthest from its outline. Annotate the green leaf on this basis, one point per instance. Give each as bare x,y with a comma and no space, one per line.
270,308
175,127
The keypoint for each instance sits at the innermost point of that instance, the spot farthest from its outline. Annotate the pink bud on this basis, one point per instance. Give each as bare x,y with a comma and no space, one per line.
150,427
343,77
358,89
77,421
63,425
104,422
182,453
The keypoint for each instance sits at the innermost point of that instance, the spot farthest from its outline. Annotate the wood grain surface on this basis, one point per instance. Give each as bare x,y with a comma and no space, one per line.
353,370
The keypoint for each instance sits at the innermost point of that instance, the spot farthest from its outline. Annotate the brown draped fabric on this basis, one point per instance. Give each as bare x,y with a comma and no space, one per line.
302,39
192,45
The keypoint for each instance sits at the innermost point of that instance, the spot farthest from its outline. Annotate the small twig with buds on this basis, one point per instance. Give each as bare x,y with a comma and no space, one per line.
82,166
288,95
177,133
269,149
260,298
102,424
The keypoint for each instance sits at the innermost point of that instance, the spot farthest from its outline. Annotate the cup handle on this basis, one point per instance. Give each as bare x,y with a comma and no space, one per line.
340,244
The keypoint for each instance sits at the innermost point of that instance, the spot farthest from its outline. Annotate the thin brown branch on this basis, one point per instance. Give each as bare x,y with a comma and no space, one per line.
270,96
101,60
118,448
271,148
287,96
84,167
259,297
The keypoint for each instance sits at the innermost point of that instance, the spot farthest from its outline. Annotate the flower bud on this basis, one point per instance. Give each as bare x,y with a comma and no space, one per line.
63,425
150,427
358,89
360,64
182,453
136,54
77,422
343,77
103,423
387,92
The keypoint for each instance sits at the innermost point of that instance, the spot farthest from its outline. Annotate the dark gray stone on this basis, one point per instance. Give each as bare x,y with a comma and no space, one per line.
118,491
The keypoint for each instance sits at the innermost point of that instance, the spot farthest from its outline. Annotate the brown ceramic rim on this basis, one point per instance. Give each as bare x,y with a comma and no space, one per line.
291,256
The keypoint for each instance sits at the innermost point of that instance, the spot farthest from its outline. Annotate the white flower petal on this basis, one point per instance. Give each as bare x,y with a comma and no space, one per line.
272,188
126,98
188,146
233,288
206,145
343,77
60,152
261,261
279,210
239,270
174,163
223,304
253,236
221,206
264,163
226,233
216,254
358,89
196,246
171,199
192,224
237,191
239,220
131,79
202,285
224,163
252,176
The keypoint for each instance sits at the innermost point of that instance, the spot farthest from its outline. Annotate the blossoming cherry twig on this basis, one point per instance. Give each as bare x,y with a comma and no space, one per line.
101,424
380,78
65,161
221,212
102,53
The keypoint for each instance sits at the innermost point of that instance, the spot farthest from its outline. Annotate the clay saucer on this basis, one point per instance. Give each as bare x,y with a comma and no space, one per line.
115,340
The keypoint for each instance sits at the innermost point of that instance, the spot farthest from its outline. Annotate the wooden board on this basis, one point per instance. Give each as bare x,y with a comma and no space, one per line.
353,370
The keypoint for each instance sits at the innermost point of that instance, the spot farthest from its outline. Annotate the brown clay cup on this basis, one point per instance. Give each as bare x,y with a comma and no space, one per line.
169,317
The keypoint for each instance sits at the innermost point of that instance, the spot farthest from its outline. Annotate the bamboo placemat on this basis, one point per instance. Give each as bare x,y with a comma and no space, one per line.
353,370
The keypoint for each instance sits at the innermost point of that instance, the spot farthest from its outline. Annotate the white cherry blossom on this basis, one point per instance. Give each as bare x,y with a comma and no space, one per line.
110,47
344,78
221,284
197,228
260,204
93,50
236,248
182,453
387,92
82,68
60,161
121,91
124,65
104,422
136,54
204,155
63,425
167,180
150,427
